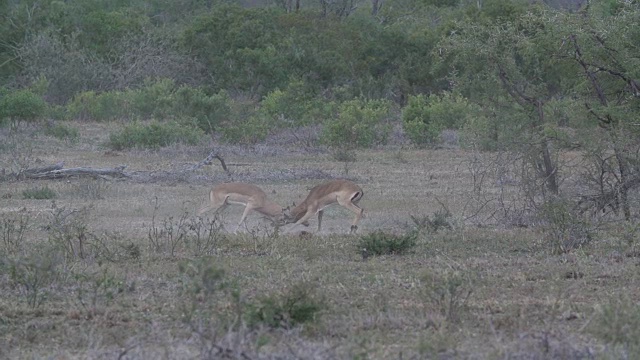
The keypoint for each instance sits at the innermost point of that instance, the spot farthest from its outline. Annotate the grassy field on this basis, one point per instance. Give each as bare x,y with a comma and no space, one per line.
480,289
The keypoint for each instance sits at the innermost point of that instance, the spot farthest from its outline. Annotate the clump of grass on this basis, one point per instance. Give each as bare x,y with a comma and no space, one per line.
448,293
381,243
563,227
43,193
298,305
440,220
618,323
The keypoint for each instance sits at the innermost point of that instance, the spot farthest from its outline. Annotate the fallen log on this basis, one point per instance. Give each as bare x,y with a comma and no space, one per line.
58,173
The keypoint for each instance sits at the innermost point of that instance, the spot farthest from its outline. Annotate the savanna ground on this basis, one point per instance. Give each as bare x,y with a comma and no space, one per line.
480,289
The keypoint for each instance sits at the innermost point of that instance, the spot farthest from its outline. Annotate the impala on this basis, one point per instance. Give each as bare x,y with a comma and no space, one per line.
251,196
343,192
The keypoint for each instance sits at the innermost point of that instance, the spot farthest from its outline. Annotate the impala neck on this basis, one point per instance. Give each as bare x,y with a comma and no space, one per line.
271,209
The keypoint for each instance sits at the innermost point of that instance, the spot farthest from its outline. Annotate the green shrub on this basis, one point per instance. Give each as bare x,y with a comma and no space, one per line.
106,106
43,193
381,243
154,100
62,132
360,123
21,105
250,131
297,306
154,135
425,117
295,106
208,111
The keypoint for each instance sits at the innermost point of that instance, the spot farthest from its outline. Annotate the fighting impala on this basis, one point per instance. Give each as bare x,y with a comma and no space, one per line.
343,192
251,196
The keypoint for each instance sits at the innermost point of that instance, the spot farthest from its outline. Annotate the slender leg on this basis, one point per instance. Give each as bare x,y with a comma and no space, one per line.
302,220
247,209
358,211
320,213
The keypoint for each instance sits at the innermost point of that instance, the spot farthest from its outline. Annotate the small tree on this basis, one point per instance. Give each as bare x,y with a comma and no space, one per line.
22,105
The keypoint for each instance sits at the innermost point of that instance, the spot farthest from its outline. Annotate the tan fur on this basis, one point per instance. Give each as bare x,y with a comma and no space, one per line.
251,196
344,192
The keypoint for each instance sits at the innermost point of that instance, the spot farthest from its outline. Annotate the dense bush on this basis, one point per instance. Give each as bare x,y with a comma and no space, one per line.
425,117
21,105
360,123
154,135
106,106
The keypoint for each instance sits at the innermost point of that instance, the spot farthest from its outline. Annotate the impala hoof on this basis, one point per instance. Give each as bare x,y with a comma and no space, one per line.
354,228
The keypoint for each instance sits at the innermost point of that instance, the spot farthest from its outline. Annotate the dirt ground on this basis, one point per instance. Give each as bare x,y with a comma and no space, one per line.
481,289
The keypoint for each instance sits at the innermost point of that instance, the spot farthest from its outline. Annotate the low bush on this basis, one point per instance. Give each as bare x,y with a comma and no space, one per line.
563,227
62,132
298,305
618,323
43,193
381,243
154,135
447,293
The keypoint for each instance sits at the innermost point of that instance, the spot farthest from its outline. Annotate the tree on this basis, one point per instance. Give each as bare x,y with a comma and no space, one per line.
508,66
603,43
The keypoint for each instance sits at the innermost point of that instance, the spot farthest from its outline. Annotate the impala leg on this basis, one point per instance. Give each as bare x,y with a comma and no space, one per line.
320,213
247,209
302,220
357,210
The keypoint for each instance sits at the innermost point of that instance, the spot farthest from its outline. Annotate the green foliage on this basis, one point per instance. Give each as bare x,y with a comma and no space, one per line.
106,106
297,105
100,29
21,105
425,117
208,111
360,123
62,132
381,243
250,130
298,305
43,193
154,135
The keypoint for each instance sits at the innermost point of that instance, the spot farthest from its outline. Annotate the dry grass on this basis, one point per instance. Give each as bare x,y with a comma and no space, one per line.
470,292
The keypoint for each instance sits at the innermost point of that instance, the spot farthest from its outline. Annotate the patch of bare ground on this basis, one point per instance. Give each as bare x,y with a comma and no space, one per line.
122,269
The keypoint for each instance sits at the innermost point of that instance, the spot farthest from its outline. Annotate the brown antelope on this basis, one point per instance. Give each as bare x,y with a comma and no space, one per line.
343,192
251,196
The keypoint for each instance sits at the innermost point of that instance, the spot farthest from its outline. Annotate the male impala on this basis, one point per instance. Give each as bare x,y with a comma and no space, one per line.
251,196
343,192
